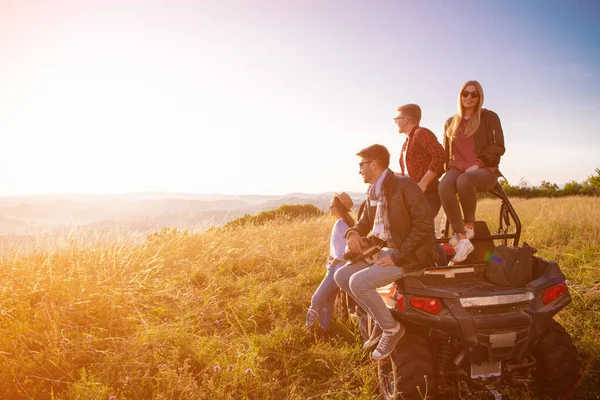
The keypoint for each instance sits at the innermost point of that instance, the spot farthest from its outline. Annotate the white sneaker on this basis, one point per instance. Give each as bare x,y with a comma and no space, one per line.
454,240
463,249
388,342
469,232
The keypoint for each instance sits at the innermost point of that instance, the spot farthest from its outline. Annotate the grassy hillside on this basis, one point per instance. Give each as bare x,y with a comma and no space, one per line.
221,314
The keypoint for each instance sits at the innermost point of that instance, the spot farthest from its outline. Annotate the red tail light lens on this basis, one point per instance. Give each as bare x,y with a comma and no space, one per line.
431,306
400,302
448,249
553,293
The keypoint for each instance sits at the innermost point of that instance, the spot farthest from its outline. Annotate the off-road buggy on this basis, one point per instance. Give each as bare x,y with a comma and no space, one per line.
469,338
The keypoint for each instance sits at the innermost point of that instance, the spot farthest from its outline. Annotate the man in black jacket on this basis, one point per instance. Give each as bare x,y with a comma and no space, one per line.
397,217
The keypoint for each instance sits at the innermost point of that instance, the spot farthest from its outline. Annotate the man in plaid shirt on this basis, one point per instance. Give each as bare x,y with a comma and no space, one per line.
422,157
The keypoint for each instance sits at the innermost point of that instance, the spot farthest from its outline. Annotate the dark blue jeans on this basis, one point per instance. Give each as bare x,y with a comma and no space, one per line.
467,185
434,202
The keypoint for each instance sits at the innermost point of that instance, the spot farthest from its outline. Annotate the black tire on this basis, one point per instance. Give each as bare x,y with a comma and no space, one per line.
409,372
557,368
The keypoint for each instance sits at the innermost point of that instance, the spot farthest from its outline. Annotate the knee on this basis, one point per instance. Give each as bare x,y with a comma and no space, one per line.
445,188
354,285
357,284
464,184
341,277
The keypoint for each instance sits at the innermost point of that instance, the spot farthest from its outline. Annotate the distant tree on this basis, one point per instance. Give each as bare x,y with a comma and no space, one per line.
523,190
523,182
573,188
549,186
510,191
593,183
589,187
548,189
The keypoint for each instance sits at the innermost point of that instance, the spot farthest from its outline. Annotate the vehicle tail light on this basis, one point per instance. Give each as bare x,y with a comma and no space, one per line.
400,302
553,293
448,249
431,306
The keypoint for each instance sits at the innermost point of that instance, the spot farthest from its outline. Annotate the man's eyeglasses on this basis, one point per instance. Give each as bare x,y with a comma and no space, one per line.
466,93
396,119
360,164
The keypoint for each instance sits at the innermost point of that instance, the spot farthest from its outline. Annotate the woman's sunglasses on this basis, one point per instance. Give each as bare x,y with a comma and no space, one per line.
466,93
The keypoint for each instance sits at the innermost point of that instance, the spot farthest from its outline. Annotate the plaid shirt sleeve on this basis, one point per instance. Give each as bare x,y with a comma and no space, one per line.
430,143
428,155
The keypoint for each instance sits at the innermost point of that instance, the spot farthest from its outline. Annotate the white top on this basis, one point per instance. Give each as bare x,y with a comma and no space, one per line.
337,243
404,161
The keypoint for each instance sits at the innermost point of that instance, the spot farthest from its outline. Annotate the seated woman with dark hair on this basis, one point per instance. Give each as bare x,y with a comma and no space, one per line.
321,305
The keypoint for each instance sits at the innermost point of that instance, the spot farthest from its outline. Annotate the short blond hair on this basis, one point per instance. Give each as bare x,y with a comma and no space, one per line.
412,111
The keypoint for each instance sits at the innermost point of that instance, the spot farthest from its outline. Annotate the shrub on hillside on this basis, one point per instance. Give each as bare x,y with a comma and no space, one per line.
289,211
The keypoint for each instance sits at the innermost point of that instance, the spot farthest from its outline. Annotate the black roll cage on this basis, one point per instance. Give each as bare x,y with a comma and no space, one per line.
507,212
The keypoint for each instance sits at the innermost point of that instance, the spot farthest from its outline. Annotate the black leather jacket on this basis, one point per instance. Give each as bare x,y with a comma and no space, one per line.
411,226
489,140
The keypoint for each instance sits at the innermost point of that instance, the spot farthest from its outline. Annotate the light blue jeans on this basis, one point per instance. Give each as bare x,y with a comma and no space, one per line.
321,304
361,281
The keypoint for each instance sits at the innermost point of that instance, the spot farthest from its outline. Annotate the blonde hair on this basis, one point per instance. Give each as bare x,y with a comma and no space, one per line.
475,119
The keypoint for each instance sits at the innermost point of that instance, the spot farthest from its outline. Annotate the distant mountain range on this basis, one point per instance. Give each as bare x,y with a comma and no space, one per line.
141,212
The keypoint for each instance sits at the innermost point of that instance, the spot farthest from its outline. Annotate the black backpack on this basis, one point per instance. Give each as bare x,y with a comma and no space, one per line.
511,266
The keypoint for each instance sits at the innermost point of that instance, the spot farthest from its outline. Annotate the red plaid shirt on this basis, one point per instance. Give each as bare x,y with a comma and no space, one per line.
423,152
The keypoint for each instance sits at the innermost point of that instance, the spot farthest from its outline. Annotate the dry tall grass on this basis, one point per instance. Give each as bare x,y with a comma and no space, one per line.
220,314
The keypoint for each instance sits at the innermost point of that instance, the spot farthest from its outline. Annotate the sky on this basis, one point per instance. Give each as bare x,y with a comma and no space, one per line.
276,97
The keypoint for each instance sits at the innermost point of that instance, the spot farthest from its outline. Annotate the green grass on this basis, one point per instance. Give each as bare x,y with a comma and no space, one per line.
220,314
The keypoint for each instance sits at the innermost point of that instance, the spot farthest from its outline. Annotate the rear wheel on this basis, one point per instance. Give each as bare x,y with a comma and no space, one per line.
557,367
409,372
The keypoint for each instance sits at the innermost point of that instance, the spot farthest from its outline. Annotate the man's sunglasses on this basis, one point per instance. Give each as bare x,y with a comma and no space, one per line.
466,93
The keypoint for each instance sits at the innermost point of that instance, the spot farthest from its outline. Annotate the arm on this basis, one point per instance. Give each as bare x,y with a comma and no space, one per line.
361,229
426,180
492,153
422,224
339,242
446,145
429,142
435,169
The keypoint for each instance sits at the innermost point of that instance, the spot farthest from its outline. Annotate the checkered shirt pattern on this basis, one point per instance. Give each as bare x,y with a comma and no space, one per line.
424,153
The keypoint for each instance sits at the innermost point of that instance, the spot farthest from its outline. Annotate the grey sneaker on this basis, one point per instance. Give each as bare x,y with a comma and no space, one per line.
389,340
463,249
374,338
469,232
